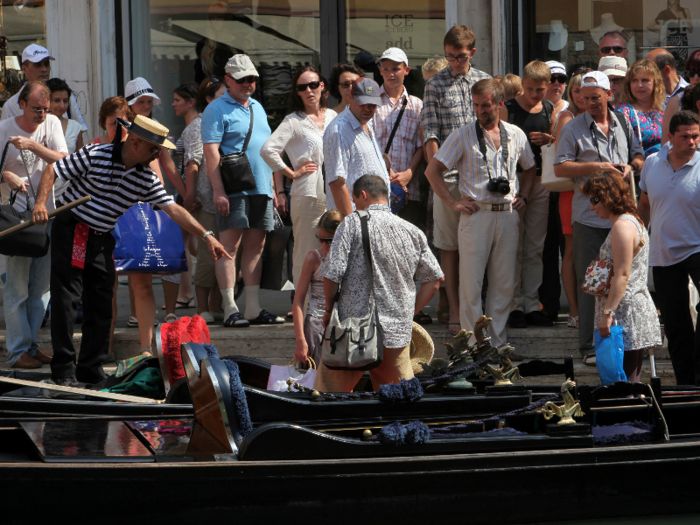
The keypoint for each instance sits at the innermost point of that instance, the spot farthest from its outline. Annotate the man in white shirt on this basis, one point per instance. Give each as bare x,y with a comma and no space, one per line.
666,62
36,64
38,137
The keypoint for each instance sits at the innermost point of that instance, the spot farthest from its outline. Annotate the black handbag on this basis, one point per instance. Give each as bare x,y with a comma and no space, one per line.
236,173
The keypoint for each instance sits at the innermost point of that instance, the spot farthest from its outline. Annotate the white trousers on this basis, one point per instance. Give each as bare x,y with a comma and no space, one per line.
305,212
488,241
528,264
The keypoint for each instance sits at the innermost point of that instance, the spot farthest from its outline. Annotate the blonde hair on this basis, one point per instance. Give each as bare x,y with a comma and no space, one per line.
575,81
659,93
512,85
433,64
537,71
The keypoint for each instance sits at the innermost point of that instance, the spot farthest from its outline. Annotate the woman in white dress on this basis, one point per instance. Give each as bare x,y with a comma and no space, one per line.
300,136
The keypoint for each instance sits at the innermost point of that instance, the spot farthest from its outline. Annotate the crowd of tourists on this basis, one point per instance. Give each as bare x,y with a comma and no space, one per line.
492,192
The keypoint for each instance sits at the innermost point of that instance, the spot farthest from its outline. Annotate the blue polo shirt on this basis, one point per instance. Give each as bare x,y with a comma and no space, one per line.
674,197
226,122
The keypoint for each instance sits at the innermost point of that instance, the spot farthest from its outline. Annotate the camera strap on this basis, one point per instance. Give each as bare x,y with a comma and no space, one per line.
504,147
594,139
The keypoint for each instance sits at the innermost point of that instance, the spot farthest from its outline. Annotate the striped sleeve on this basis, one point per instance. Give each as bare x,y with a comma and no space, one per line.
75,165
451,151
156,193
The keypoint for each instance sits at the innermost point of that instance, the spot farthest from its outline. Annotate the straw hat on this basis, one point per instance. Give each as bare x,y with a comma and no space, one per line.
422,348
150,131
137,88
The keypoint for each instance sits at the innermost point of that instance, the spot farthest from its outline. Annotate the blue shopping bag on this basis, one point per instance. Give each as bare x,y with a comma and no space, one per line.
609,355
397,198
148,241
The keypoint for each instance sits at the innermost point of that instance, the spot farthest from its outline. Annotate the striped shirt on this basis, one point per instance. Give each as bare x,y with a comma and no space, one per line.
97,171
349,153
461,149
407,138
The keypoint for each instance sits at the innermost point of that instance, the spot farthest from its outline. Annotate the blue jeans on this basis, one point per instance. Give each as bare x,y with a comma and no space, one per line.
26,296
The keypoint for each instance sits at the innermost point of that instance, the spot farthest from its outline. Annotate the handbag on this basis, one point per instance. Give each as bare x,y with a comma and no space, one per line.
236,173
148,241
609,355
598,278
273,276
355,344
34,241
279,375
550,181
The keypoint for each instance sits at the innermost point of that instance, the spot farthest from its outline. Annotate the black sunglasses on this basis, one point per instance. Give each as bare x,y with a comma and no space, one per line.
690,73
615,49
595,200
345,84
325,240
313,85
558,78
212,80
250,79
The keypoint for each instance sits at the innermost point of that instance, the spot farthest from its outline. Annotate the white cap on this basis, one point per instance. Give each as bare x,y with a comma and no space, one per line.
239,66
557,68
395,54
35,53
137,88
613,66
600,80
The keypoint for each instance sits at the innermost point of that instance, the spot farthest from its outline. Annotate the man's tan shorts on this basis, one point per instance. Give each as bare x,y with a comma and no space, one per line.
446,221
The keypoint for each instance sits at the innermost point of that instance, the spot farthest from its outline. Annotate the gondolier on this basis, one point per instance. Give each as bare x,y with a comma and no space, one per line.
116,176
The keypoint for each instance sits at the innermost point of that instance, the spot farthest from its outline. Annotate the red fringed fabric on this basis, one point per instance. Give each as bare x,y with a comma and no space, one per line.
198,331
173,335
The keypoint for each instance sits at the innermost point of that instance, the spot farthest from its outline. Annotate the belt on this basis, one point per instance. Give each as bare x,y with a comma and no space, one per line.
496,207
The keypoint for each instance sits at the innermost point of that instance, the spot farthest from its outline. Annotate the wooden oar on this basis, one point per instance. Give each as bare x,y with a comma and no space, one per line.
82,391
27,224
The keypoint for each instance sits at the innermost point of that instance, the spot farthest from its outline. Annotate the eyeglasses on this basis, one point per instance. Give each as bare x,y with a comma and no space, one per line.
324,240
212,80
615,49
690,73
582,71
595,200
561,79
345,84
616,80
250,79
154,150
302,87
41,111
459,59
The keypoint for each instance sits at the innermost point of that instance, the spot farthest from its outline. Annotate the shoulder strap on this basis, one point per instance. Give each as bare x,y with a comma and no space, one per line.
623,123
548,109
364,220
511,111
250,131
396,125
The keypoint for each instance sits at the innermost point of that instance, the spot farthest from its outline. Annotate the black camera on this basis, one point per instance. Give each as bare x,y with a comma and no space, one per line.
499,185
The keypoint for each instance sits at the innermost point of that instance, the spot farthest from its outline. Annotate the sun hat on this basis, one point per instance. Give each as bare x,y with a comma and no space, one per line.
148,130
137,88
600,80
613,66
422,348
395,54
239,66
35,53
367,92
557,68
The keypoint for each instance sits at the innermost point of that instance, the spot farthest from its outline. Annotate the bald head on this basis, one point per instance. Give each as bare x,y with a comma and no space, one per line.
666,63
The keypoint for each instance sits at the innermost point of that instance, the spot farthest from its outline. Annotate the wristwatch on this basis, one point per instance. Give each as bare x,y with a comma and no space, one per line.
207,234
522,198
609,312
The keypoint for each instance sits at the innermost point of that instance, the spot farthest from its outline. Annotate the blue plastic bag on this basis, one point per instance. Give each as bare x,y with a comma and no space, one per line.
148,241
609,355
397,198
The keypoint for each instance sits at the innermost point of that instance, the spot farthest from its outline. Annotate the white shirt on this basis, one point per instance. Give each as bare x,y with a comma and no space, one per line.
50,135
11,109
302,141
73,130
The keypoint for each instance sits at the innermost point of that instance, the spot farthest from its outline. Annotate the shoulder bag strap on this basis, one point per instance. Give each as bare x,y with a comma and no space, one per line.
22,154
511,112
247,137
364,220
396,126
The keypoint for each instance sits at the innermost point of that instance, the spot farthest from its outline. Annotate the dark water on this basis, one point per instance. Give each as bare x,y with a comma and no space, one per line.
687,519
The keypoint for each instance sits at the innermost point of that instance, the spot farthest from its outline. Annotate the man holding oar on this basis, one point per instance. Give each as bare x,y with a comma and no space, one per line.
116,176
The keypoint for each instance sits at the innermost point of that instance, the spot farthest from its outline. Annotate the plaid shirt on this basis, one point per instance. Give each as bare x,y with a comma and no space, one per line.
447,103
407,138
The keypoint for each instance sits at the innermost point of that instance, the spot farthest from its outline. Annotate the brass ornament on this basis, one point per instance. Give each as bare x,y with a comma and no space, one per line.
569,411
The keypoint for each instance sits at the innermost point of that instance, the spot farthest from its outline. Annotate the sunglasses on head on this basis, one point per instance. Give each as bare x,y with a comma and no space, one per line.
250,79
324,240
212,80
313,85
561,79
595,200
690,73
582,71
614,49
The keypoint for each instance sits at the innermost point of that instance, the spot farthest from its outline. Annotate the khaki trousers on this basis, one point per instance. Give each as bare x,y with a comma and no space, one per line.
528,264
305,212
488,241
204,274
395,366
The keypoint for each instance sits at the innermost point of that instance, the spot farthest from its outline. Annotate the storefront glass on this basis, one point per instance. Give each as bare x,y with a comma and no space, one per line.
570,31
21,23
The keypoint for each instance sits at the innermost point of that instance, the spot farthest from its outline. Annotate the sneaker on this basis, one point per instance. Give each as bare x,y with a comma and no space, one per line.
208,317
516,319
537,318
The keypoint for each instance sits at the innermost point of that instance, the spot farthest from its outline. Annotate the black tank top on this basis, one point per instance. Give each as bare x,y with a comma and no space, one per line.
530,122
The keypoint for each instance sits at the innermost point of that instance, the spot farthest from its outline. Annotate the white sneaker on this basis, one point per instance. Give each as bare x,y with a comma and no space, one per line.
218,316
208,317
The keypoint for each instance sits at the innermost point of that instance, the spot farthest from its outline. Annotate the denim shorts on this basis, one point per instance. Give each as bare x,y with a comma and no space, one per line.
247,211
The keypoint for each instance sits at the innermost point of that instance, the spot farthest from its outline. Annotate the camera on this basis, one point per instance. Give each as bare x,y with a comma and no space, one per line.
499,185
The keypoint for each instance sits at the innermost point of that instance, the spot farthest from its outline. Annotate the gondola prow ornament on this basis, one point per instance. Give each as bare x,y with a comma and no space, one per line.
569,411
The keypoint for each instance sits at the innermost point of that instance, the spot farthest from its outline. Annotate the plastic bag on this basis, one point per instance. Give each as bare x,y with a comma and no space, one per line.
609,355
279,375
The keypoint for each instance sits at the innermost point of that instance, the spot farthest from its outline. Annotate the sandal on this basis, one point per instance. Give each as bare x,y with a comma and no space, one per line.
265,317
170,318
236,320
443,315
589,359
573,322
182,305
422,318
134,323
453,332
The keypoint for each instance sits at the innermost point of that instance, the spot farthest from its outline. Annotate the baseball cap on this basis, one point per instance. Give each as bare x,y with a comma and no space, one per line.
367,92
557,68
613,66
137,88
239,66
600,80
395,54
35,53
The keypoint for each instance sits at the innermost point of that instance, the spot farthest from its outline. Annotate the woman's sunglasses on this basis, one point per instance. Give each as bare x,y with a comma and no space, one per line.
690,73
313,85
324,240
561,79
